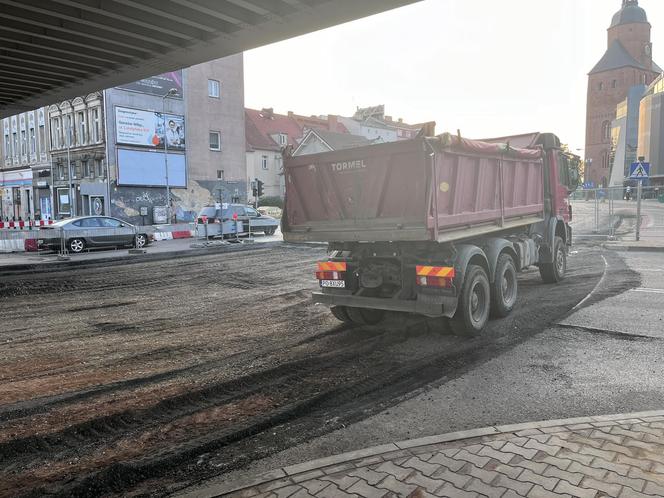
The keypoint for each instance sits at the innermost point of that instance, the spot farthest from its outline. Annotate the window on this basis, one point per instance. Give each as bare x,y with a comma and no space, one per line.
15,143
215,140
109,222
220,174
606,131
213,88
24,144
614,83
55,133
605,159
33,142
82,128
87,172
264,162
8,146
601,86
283,139
88,223
70,130
99,171
42,139
251,212
63,201
96,127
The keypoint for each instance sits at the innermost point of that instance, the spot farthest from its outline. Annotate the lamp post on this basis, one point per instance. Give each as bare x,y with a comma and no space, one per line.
171,93
72,204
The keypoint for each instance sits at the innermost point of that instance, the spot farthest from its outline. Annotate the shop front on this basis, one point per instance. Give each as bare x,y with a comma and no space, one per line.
16,195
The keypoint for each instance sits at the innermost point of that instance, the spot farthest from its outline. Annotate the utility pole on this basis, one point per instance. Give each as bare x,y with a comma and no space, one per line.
72,202
171,93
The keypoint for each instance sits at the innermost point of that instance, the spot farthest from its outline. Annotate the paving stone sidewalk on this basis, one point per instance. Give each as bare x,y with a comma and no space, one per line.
609,456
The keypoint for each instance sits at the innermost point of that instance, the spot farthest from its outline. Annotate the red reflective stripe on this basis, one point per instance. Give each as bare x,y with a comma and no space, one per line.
435,271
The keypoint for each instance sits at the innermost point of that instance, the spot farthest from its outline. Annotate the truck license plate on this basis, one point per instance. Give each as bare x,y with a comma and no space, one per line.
333,283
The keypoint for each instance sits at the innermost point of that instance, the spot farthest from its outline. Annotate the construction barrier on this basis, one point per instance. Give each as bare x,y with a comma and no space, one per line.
20,239
24,225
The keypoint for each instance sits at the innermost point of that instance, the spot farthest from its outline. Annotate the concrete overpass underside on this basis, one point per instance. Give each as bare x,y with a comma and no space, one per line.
51,50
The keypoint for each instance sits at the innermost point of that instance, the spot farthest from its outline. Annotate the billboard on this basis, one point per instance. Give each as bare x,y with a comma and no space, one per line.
149,128
147,168
157,85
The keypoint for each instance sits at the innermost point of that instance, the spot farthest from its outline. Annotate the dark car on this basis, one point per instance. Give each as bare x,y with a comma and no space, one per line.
261,222
88,232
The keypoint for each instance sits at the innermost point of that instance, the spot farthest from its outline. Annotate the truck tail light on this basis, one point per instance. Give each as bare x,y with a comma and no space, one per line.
331,271
331,275
440,282
435,276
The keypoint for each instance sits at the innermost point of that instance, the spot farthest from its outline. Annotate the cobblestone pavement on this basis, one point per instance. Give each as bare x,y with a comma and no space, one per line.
609,456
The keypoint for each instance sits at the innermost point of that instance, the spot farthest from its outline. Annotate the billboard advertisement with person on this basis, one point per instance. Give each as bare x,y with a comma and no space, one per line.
149,128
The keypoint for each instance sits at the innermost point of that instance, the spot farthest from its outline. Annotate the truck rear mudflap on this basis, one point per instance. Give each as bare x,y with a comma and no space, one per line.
425,304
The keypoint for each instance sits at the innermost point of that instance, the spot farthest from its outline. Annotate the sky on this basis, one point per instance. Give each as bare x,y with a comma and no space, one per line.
487,67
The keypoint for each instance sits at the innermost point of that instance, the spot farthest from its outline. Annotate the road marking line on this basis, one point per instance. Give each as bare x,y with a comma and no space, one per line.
649,291
606,269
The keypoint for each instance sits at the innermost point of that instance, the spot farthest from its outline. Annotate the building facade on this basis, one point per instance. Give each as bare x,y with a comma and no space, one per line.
78,156
651,130
268,134
626,63
625,136
25,181
317,141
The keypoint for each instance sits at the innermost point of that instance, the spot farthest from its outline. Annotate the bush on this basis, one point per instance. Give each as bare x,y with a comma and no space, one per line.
271,201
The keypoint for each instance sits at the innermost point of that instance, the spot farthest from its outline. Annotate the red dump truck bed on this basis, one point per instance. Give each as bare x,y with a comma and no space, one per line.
393,191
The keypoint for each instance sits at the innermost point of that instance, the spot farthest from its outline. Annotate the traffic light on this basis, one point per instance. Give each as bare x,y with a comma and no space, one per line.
254,190
259,188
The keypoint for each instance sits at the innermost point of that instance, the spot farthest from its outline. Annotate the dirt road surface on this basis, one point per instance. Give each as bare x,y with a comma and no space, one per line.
142,379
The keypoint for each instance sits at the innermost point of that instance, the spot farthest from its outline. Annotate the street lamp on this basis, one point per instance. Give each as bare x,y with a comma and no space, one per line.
171,93
70,119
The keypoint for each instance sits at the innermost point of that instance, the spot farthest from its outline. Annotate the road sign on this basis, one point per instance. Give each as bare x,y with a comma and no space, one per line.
639,171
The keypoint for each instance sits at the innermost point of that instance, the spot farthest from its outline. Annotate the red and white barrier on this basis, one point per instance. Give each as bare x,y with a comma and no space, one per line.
24,225
170,232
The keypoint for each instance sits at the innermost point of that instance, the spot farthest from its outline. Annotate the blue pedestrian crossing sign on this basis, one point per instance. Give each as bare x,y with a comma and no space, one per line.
639,171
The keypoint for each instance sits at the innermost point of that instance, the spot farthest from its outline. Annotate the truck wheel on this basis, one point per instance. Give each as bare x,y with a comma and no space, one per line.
363,316
552,273
340,313
472,313
505,288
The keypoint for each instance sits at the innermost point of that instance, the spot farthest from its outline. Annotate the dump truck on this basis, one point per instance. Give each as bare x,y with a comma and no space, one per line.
434,226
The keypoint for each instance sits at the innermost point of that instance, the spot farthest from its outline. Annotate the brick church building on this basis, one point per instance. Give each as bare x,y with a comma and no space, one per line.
627,62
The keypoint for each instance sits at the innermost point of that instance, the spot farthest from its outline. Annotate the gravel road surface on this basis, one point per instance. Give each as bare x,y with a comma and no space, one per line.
145,378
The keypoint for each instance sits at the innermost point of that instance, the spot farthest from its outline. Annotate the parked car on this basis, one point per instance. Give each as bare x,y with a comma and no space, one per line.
261,222
246,214
89,232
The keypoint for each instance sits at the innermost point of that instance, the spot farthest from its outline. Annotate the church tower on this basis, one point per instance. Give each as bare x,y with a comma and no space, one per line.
627,62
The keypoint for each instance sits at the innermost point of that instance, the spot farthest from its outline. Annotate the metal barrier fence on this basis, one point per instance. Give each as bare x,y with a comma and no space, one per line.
650,212
618,213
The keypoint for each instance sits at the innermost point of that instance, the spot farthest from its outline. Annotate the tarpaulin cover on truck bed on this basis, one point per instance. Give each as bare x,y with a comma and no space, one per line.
460,144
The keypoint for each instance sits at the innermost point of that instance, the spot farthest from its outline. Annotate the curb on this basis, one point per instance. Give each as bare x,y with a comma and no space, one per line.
633,248
368,456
